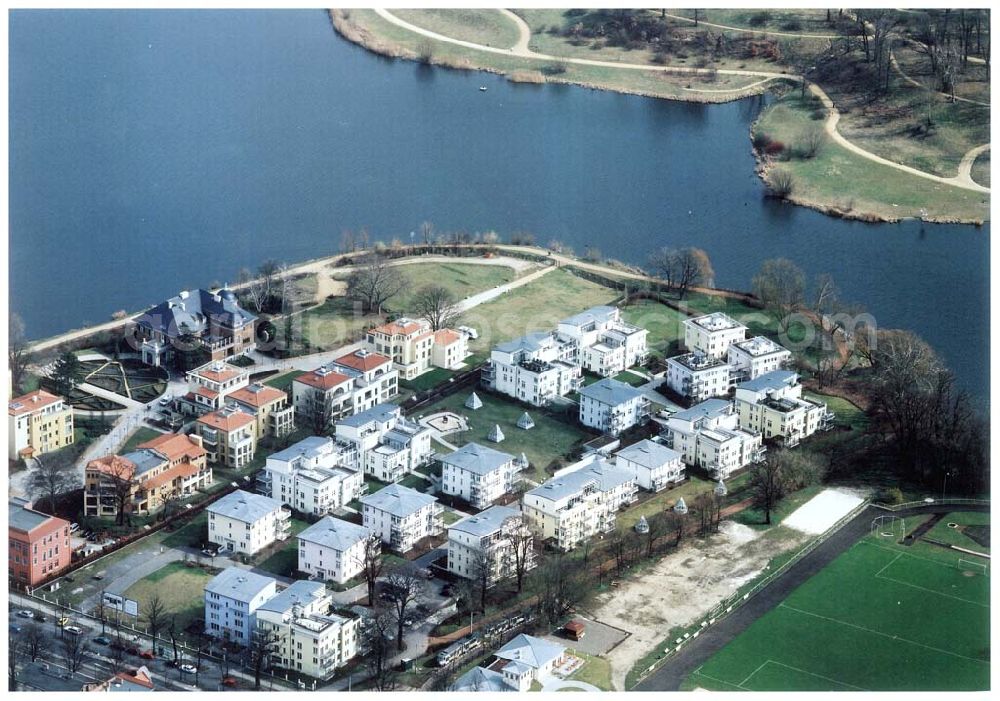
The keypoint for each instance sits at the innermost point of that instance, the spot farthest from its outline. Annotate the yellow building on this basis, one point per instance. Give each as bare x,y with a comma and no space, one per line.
38,423
229,435
407,341
270,408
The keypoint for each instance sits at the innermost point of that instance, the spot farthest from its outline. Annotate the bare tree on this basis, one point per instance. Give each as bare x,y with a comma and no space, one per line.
174,634
780,286
677,524
481,571
436,304
36,641
693,269
74,652
14,651
17,352
263,643
378,658
268,271
404,584
53,475
117,655
657,527
374,282
426,232
155,612
663,264
121,475
372,564
522,550
559,585
767,484
812,142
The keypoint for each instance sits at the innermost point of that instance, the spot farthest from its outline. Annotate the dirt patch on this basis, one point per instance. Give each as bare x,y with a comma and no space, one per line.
684,586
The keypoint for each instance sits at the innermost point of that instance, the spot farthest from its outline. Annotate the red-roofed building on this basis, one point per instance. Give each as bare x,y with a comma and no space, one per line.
129,680
168,467
229,435
407,341
269,407
38,544
350,384
210,385
451,348
37,423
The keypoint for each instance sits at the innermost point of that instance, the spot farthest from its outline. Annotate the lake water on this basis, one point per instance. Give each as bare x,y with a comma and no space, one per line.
154,151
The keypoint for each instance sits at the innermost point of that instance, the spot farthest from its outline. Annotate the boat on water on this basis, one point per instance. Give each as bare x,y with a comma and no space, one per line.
482,88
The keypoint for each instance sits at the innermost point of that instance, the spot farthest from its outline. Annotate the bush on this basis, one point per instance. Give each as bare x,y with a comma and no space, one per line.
554,69
425,51
792,25
119,315
760,141
774,148
759,19
782,183
890,495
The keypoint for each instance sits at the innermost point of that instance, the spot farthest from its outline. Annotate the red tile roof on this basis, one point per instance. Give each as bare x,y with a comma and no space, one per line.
226,420
170,474
257,395
363,361
114,466
32,401
175,446
446,337
402,327
223,373
323,381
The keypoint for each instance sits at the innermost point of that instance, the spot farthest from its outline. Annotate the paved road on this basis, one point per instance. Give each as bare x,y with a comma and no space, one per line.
712,639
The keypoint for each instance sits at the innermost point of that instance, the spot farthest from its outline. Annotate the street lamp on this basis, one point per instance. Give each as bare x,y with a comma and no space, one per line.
945,485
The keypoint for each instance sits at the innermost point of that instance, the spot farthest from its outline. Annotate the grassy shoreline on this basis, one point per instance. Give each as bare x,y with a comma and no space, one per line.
836,191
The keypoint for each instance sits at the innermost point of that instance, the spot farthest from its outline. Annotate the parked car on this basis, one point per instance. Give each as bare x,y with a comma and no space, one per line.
229,681
25,613
62,621
210,552
102,640
74,527
147,655
188,668
73,630
166,399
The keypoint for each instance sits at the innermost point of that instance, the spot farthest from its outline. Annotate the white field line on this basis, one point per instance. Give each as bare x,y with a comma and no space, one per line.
915,557
881,634
889,564
716,679
762,665
818,676
930,591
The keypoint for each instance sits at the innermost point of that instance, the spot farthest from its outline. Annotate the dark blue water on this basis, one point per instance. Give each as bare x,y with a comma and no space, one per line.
153,151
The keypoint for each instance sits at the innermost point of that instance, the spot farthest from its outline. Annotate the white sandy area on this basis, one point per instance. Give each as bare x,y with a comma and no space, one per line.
822,511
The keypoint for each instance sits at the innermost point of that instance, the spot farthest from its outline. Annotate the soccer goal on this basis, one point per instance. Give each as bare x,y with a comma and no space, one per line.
889,526
973,566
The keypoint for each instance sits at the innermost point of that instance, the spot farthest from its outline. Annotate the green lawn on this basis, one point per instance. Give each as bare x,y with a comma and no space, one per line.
192,534
284,380
662,501
180,589
449,517
285,561
489,27
539,305
881,617
630,378
551,438
847,413
141,435
595,670
665,325
754,517
954,536
843,179
431,378
327,326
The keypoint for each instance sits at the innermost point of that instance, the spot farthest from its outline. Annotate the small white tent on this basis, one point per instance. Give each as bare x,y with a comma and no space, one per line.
473,402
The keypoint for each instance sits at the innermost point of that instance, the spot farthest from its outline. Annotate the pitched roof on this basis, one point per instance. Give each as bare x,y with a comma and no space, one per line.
244,506
195,312
485,522
239,584
227,419
709,408
529,342
599,314
32,401
481,679
257,395
24,518
398,500
776,379
323,378
218,371
311,447
383,413
144,460
600,472
649,454
139,677
300,592
532,651
175,446
334,533
401,327
182,470
113,465
610,391
477,459
445,337
362,360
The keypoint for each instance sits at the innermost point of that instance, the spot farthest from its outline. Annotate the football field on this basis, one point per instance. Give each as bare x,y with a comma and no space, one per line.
881,617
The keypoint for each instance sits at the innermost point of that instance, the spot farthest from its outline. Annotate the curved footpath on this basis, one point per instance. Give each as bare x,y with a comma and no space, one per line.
713,638
521,49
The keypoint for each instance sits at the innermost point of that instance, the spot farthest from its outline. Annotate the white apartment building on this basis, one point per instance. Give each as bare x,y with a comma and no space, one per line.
697,376
478,474
310,476
333,549
232,598
773,405
612,406
654,465
535,369
712,334
450,350
755,357
708,436
581,502
602,342
347,386
523,660
402,516
309,638
485,541
242,522
389,446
